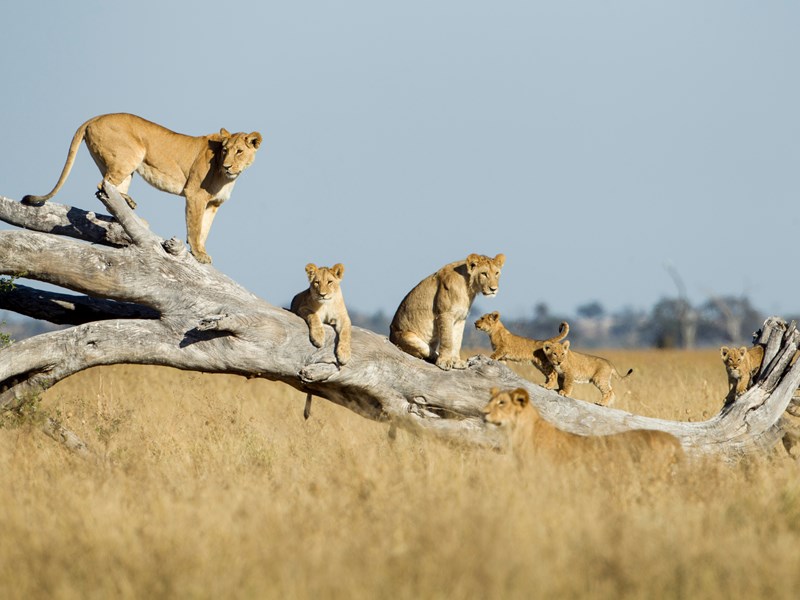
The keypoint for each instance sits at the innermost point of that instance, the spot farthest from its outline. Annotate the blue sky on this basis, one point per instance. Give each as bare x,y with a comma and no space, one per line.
591,142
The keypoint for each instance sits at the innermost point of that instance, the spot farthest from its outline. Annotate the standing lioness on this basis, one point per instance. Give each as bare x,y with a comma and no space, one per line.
429,323
202,169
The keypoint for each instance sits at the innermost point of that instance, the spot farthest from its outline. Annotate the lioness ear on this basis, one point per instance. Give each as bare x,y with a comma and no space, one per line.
224,132
520,396
472,262
311,270
547,346
500,260
495,315
338,270
723,351
565,343
254,139
742,351
493,392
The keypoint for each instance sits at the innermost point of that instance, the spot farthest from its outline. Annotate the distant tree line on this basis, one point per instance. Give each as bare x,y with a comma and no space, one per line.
669,323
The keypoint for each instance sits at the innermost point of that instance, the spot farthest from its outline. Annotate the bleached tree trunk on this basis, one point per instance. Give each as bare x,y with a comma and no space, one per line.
139,299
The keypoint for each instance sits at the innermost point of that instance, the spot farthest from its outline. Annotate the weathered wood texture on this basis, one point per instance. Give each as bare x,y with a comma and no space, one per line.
144,300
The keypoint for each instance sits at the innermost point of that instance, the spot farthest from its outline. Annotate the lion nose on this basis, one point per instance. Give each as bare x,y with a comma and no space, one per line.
493,289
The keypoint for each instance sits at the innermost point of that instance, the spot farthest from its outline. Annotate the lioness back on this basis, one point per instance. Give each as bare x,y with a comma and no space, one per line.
429,323
202,169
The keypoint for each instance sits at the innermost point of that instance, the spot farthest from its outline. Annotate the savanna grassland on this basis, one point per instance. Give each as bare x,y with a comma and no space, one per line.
213,486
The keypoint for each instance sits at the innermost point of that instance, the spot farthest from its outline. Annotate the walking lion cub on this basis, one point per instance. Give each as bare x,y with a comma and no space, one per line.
576,367
508,346
202,169
742,365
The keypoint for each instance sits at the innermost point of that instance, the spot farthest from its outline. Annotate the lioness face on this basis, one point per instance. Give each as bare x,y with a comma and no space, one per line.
324,281
487,321
733,359
556,352
238,152
505,407
484,272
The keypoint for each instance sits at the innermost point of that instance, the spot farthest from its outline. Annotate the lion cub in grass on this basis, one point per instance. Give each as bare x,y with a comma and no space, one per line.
742,364
508,346
576,367
323,303
530,434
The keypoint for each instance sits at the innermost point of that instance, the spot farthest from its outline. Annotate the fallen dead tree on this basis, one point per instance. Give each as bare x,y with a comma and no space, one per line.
140,299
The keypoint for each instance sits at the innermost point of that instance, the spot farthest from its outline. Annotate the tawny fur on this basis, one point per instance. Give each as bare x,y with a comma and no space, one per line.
429,323
530,435
202,169
323,303
509,346
742,365
576,367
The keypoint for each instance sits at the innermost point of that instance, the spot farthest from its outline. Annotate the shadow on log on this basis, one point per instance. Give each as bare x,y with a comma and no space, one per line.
140,299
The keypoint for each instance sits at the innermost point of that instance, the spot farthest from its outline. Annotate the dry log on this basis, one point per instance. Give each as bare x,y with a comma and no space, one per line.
139,299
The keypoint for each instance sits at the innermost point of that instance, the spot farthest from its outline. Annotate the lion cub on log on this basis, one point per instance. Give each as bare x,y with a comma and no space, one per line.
508,346
576,367
322,303
202,169
530,434
742,364
429,323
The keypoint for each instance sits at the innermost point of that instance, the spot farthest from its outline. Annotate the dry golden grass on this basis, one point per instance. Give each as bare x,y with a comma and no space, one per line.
215,487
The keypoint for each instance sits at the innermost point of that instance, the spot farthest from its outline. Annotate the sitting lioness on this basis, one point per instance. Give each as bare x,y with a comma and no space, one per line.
508,346
742,364
529,434
429,323
576,367
202,169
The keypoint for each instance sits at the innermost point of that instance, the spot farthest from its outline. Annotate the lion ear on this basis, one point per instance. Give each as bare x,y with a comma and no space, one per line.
224,132
723,351
494,391
495,315
500,260
338,270
547,346
472,262
520,396
254,139
742,351
311,270
565,344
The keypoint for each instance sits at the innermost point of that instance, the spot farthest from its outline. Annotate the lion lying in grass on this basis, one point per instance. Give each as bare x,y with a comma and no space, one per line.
508,346
531,435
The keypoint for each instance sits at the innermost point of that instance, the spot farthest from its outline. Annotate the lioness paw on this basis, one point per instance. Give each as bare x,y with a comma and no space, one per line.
202,258
317,336
342,356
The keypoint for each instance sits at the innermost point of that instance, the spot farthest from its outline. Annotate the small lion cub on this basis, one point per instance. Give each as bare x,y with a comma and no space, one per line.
509,346
576,367
742,364
322,303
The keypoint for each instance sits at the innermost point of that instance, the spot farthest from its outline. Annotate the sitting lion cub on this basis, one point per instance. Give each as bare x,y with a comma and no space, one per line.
530,434
429,323
508,346
742,364
202,169
576,367
322,303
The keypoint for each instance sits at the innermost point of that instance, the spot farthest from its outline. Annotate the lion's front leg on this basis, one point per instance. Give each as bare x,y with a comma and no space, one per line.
343,331
316,333
450,335
196,206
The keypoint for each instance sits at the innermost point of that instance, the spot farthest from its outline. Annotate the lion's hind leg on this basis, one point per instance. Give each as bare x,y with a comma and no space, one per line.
410,343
